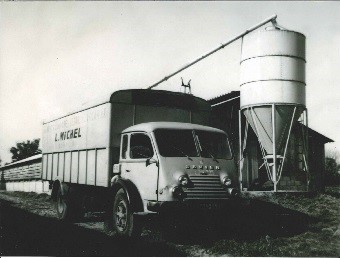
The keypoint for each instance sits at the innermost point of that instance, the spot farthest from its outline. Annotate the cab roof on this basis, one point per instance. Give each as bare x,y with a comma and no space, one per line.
151,126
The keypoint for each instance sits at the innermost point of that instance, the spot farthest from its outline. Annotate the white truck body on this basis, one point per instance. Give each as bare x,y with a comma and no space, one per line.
139,152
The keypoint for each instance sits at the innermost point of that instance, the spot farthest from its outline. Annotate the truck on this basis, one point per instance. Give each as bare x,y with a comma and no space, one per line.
135,153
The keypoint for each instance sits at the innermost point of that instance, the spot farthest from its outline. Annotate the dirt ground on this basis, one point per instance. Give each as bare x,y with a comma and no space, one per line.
262,225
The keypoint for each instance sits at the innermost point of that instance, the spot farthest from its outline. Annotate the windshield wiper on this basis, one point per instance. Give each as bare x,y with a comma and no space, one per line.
200,145
181,151
208,151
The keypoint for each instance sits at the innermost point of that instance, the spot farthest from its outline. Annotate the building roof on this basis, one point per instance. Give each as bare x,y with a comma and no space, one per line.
314,134
32,158
224,98
149,127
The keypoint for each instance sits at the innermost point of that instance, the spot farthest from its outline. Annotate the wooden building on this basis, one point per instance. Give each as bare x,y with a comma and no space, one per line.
24,175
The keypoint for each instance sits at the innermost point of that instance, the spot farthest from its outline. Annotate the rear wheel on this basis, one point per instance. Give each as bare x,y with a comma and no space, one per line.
66,206
62,206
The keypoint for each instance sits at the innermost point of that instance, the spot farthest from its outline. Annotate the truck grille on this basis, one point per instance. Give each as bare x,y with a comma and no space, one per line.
205,187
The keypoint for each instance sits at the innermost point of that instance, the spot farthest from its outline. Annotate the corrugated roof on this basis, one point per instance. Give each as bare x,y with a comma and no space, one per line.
224,97
35,157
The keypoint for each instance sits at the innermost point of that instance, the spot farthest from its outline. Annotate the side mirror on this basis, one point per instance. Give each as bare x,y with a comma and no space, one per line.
150,161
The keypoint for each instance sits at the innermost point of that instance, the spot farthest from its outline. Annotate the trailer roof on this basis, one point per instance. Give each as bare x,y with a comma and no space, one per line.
149,98
159,98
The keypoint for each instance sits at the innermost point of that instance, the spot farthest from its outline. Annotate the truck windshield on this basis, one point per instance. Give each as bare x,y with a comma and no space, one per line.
181,143
213,145
176,143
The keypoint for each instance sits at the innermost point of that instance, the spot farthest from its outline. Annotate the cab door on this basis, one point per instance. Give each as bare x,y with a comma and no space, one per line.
136,165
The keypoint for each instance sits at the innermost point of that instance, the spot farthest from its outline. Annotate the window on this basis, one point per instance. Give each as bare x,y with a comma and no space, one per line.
213,145
181,143
176,143
140,146
124,146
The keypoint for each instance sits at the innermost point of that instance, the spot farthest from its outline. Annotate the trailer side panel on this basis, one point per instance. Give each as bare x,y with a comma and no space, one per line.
76,147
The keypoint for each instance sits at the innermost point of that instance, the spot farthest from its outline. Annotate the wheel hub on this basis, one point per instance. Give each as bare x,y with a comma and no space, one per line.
60,205
121,216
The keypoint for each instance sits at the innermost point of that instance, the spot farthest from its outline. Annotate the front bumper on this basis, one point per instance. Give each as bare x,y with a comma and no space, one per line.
190,205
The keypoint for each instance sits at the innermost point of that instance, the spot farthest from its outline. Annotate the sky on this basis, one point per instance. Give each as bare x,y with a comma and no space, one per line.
56,56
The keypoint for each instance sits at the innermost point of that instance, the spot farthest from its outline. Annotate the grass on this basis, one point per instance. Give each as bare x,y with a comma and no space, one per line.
321,237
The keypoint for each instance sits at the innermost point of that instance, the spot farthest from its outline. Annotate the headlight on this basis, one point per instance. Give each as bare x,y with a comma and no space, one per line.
178,192
226,181
183,180
233,192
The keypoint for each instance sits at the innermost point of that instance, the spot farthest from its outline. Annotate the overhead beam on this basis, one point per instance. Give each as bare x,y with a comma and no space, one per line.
270,19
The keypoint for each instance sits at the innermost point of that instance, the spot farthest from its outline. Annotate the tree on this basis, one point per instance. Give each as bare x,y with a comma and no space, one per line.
332,168
25,149
333,154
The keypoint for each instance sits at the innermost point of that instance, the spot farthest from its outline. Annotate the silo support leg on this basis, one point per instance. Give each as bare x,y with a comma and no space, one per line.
274,149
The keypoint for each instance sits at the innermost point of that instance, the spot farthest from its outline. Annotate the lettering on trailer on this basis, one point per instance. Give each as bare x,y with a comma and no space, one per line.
70,134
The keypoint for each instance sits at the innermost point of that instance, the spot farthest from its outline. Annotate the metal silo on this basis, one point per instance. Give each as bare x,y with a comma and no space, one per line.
273,95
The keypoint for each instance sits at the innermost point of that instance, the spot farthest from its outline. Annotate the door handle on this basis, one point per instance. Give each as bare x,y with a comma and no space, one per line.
127,170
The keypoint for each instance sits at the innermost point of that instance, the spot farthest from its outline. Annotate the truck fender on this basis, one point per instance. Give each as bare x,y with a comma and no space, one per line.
131,190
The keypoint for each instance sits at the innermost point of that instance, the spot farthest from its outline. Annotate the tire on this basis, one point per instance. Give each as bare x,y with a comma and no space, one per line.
120,219
62,206
66,206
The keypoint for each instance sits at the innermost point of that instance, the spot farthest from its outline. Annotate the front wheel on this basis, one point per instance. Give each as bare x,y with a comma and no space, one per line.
120,217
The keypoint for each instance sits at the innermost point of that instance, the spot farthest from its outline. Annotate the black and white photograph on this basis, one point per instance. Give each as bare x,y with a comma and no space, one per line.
170,128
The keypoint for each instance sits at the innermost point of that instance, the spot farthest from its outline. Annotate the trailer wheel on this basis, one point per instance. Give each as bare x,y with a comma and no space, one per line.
61,206
120,217
65,207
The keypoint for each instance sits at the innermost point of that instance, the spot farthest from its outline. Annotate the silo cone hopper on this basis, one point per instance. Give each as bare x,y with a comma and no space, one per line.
261,120
273,137
273,91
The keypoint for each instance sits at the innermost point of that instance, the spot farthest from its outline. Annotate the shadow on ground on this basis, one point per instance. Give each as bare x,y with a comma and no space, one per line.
241,222
26,234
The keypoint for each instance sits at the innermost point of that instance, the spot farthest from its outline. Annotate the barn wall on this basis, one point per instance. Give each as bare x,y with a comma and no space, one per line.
24,177
317,166
26,171
36,186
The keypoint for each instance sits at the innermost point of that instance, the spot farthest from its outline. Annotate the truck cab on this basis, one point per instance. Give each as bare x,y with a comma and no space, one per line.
172,165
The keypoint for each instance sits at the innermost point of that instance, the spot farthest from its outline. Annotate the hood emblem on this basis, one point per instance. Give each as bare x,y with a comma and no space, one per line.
204,173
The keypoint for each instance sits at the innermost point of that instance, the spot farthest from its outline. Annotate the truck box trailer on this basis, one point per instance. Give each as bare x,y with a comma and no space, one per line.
136,152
